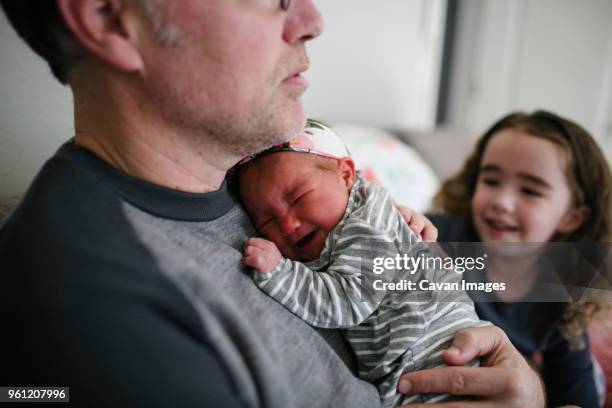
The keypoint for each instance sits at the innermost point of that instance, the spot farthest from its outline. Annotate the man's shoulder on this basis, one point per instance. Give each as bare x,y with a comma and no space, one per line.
72,227
69,250
64,204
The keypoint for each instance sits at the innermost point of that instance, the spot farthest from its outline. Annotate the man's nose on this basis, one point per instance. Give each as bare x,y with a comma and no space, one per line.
304,22
289,224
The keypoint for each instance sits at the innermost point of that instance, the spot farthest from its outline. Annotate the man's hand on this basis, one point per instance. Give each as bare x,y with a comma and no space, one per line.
261,254
504,378
419,224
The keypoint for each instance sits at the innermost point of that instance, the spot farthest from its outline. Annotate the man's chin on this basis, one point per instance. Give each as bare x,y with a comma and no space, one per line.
280,127
296,121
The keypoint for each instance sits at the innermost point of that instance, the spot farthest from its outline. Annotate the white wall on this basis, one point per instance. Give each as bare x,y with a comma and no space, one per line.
35,112
377,62
529,54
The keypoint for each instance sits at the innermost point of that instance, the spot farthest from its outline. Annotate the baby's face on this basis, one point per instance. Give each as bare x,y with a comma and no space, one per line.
294,202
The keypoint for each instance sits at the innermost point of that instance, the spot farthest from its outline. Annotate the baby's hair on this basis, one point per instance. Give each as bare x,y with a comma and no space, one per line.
588,175
325,163
320,163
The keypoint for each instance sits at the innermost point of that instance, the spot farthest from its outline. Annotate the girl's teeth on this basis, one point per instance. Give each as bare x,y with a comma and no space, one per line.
498,225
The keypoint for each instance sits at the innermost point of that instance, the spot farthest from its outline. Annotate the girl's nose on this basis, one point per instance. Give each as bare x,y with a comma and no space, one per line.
503,200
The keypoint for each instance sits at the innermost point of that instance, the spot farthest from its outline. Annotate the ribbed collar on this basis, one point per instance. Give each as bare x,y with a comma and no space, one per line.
157,200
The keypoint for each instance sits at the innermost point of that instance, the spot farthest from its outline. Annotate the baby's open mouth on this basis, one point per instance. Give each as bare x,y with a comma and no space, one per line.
306,240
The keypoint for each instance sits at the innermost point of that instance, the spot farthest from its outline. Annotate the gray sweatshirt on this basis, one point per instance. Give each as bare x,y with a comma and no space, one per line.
135,295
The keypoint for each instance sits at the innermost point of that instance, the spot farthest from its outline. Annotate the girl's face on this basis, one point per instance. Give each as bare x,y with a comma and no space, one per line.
522,193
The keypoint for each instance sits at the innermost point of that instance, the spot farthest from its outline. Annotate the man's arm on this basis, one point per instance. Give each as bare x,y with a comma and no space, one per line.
113,329
504,378
113,342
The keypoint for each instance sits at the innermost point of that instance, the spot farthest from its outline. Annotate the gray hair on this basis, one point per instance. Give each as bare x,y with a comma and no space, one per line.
41,26
164,33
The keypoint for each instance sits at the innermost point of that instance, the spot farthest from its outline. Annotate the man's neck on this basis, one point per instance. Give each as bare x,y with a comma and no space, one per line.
117,130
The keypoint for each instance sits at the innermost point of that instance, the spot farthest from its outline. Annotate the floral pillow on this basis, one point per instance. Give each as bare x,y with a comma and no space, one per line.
383,158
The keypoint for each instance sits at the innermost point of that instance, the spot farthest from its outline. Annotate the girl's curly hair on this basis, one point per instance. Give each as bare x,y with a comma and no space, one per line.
589,178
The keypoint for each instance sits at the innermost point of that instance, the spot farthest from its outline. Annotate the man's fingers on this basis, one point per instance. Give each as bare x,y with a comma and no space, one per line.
475,342
417,223
430,233
481,381
455,404
503,376
405,213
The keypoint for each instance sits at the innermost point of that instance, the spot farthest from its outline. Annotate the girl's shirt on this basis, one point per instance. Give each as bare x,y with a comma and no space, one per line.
533,328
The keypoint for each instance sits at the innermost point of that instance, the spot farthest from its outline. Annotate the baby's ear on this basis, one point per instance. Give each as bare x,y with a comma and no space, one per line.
574,219
346,170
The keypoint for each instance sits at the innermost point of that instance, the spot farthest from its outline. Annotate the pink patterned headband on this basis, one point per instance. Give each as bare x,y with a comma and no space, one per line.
316,138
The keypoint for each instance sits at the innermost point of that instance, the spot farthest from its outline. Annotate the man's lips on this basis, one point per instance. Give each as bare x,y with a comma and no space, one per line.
296,77
300,69
297,80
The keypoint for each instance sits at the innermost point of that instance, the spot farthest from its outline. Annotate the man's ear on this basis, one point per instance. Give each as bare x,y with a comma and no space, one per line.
107,29
346,169
574,219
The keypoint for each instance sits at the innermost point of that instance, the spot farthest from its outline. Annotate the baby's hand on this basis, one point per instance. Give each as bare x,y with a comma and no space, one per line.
261,255
419,224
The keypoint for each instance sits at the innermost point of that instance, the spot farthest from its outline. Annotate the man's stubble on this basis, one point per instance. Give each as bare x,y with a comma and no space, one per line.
269,120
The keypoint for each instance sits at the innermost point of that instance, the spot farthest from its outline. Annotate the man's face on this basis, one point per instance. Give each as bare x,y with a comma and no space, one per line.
233,74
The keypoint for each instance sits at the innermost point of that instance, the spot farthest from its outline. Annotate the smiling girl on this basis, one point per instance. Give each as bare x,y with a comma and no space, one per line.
534,178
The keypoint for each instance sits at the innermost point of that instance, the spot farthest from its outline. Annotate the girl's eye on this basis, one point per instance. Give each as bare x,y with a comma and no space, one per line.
490,182
531,192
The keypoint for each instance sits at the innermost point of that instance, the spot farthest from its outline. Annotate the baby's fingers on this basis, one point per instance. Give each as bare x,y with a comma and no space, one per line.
259,262
251,260
252,250
257,242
